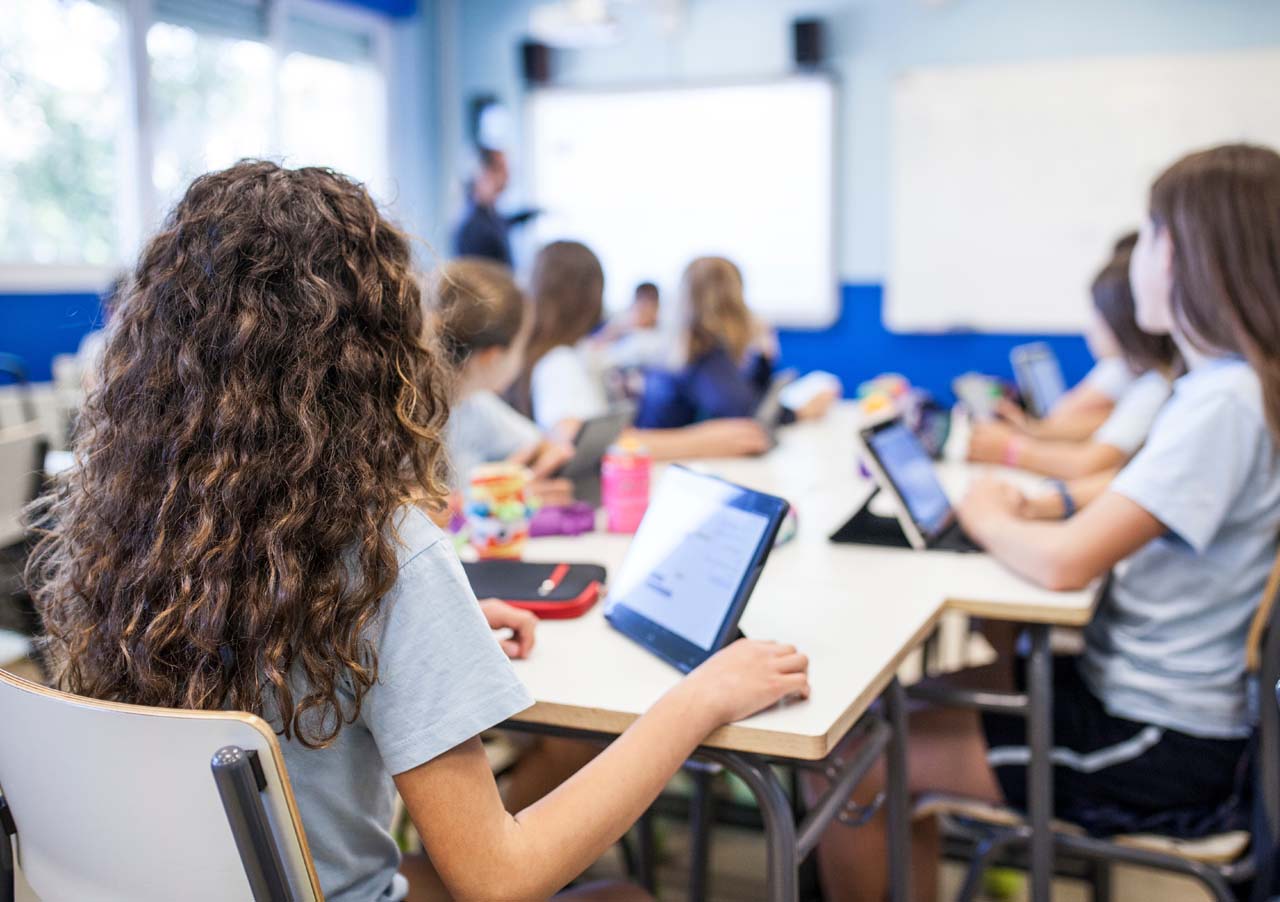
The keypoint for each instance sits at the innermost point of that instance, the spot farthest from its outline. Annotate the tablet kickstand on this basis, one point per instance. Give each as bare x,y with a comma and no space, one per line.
866,528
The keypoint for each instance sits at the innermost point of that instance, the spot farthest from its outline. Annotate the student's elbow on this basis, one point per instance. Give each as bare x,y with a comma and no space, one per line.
1098,458
483,885
1066,572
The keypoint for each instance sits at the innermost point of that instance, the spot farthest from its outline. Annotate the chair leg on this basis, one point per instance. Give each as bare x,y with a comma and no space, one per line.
1101,881
701,819
982,855
1218,887
646,854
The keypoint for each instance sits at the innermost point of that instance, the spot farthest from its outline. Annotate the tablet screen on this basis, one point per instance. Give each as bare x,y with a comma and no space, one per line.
695,556
1037,365
908,466
1047,380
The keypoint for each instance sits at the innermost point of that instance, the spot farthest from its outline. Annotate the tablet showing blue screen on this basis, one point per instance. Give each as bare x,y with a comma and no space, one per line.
909,468
692,565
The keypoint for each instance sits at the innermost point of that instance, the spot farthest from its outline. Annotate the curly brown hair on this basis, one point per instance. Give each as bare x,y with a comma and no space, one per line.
267,406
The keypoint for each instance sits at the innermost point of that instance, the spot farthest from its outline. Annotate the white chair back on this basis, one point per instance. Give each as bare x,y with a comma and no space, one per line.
118,802
19,470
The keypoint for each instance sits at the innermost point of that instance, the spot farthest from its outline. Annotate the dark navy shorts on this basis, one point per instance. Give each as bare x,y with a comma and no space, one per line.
1112,775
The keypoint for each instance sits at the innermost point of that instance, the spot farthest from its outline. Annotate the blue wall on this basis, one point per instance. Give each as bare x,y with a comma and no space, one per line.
37,326
858,347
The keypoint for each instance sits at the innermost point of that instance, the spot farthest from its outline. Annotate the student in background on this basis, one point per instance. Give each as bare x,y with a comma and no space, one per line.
483,231
238,537
1084,408
1155,357
477,312
644,307
633,340
726,355
1154,717
562,383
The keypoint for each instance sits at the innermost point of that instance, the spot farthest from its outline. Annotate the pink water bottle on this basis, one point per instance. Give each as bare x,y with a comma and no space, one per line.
624,485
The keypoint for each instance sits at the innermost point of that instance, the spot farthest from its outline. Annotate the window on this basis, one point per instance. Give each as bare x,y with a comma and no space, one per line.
63,91
331,76
97,144
318,92
210,104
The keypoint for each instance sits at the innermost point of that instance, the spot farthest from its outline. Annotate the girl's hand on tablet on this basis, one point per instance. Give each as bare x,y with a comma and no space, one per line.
552,492
988,442
749,676
522,623
1012,414
544,458
731,437
988,497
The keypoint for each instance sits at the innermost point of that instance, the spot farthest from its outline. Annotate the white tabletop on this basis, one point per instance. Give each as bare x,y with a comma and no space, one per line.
857,611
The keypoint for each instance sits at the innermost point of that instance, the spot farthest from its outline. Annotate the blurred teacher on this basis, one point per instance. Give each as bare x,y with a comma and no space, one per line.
483,231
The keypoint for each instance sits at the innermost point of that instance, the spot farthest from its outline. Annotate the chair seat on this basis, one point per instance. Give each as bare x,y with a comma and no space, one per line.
1220,848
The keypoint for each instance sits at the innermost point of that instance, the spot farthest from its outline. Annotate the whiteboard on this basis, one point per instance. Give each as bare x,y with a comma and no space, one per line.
1010,182
651,178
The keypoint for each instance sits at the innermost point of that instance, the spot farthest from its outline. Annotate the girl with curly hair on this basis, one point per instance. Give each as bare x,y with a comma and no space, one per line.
237,536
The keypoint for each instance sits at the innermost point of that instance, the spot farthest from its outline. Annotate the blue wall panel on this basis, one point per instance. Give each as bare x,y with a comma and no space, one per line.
858,347
38,326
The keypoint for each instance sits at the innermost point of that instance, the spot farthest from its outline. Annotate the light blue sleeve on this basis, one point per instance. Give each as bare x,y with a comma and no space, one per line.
482,429
1196,462
442,677
1131,420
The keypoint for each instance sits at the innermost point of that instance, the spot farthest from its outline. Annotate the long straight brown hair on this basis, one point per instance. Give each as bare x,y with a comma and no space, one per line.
713,310
566,289
1221,208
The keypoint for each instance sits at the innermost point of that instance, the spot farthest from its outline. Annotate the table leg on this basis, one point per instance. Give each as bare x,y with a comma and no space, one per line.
775,809
896,794
701,820
1040,768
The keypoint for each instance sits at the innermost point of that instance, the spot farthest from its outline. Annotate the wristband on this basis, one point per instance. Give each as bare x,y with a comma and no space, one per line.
1012,450
1068,503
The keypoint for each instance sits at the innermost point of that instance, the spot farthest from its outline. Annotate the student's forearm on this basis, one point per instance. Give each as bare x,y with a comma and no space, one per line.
1038,550
1050,505
1087,488
572,826
1063,460
486,853
1059,555
1072,426
679,444
1083,398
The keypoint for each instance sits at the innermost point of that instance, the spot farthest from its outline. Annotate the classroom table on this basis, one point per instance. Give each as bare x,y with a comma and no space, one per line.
856,611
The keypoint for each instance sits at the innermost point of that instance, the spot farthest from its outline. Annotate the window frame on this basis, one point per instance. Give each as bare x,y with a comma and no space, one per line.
136,196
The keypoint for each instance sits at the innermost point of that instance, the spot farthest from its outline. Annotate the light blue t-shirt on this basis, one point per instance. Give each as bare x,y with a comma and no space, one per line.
442,679
1130,421
482,429
1167,644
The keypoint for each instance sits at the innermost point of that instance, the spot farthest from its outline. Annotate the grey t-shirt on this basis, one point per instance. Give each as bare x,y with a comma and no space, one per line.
482,429
442,679
1167,644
